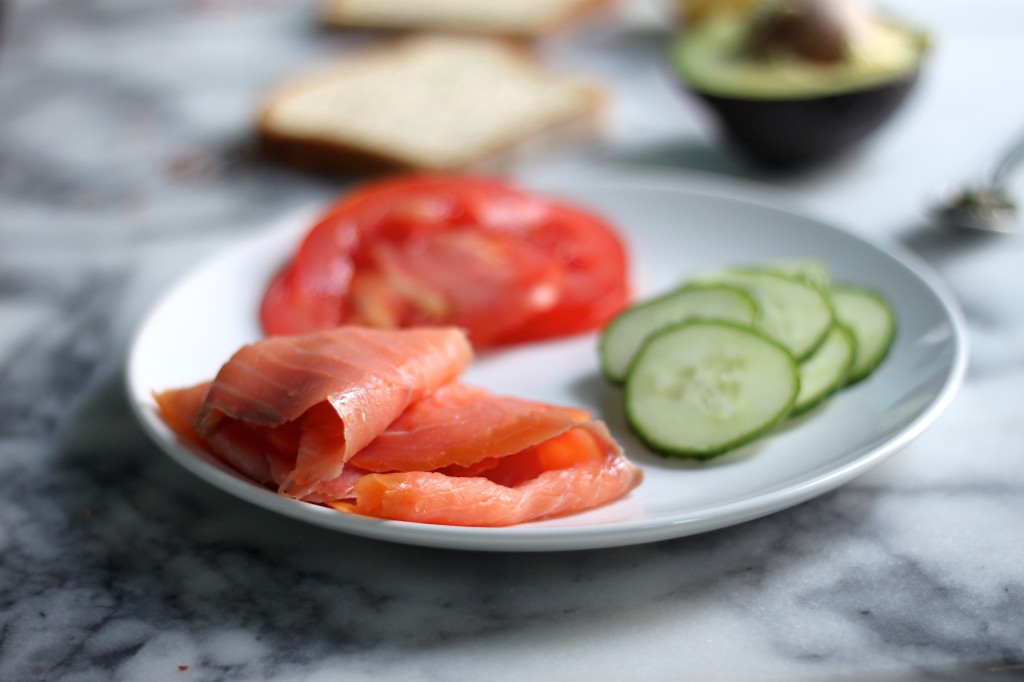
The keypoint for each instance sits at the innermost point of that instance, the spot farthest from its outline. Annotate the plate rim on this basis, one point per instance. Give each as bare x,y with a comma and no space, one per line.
524,538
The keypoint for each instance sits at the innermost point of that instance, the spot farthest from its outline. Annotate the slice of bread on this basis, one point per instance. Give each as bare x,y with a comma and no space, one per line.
525,19
426,104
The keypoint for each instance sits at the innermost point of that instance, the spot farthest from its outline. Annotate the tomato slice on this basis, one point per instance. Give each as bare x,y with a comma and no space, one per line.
279,312
402,206
307,293
595,265
489,283
478,253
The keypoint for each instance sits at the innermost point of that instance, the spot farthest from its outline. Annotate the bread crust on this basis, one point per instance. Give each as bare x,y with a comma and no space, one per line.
326,154
322,154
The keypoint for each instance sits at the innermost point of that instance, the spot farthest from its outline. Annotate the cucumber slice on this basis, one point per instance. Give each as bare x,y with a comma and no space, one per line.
873,324
826,371
701,388
627,332
794,313
811,271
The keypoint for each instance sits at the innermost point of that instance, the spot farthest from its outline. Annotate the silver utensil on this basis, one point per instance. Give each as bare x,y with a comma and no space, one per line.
985,207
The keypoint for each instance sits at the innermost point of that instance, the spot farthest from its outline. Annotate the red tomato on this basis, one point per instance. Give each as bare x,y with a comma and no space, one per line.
594,261
475,253
489,283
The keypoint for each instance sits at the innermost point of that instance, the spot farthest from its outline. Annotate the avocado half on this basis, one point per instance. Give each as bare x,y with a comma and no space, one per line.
791,115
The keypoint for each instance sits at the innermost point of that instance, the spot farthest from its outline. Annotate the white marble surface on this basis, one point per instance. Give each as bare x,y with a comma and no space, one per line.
124,158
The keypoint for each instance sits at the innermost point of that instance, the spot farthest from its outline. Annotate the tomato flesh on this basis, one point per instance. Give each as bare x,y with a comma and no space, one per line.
594,262
481,254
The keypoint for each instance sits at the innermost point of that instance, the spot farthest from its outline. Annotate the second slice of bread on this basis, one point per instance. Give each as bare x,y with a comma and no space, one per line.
426,103
521,19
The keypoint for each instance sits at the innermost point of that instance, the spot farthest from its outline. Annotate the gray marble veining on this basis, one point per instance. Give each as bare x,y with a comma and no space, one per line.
125,157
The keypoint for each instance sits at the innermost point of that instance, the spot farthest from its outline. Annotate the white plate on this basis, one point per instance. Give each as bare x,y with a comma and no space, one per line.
673,226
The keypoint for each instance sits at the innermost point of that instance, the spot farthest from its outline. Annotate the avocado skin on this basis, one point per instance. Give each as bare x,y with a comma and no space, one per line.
797,133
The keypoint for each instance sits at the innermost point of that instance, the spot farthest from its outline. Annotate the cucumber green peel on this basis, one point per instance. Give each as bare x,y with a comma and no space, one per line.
872,322
687,396
827,370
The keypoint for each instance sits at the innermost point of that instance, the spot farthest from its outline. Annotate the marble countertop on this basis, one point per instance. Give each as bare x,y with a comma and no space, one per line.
125,158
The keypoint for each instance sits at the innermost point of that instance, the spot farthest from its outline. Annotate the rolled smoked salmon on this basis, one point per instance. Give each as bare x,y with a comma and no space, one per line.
355,380
364,421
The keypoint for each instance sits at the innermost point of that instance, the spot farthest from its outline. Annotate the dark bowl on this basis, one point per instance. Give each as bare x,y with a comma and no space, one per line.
795,133
811,116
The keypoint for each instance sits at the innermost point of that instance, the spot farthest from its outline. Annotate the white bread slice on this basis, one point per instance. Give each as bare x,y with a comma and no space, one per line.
526,19
425,104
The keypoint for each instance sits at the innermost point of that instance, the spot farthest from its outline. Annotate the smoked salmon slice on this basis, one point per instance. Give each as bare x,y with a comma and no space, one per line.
461,425
370,422
579,470
253,452
355,380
